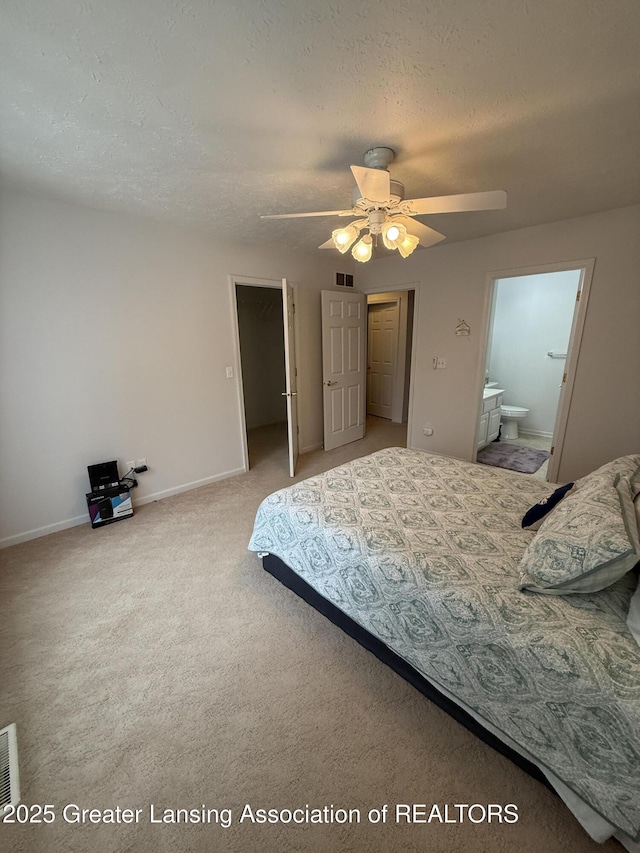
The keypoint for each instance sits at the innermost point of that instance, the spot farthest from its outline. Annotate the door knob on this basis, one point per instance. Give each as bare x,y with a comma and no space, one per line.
329,382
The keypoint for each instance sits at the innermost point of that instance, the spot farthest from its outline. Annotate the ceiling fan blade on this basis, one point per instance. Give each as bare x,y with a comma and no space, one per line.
493,200
374,184
349,212
427,236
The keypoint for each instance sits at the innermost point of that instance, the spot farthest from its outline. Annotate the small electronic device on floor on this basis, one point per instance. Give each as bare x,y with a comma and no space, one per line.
110,497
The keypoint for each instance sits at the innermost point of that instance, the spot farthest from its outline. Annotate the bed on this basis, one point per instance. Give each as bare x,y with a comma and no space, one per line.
423,559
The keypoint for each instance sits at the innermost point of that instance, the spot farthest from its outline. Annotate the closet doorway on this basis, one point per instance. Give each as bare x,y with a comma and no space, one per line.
267,393
389,344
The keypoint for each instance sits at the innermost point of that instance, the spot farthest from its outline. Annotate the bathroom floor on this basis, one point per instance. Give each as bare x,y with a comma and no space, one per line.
539,442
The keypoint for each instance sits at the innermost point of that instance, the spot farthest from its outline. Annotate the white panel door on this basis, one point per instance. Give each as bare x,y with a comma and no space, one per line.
344,326
290,372
382,354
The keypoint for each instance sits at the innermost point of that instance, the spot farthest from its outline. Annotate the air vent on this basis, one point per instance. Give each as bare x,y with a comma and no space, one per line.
344,279
9,779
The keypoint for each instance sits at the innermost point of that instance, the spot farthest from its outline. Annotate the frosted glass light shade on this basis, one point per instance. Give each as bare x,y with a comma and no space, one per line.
393,233
408,245
343,238
363,249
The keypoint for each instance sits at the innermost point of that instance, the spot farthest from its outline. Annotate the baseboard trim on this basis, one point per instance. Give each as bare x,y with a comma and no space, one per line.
311,447
536,432
37,532
47,529
186,487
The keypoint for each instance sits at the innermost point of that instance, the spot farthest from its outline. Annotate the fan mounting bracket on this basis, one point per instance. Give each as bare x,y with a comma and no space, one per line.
379,157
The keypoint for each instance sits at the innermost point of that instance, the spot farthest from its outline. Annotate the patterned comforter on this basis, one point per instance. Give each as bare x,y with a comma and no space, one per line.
423,552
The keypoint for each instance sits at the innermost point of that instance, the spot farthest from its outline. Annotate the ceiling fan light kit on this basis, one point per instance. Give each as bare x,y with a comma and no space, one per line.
408,245
363,249
344,238
387,215
393,233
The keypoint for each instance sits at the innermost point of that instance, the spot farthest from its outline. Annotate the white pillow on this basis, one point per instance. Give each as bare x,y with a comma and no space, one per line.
588,542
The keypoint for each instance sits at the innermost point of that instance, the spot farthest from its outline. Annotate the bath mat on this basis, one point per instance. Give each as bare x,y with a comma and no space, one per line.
511,456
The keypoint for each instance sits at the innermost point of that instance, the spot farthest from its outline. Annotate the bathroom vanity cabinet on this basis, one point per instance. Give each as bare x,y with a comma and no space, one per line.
489,423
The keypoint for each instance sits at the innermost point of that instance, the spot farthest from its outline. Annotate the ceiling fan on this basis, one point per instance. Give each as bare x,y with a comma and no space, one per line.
380,203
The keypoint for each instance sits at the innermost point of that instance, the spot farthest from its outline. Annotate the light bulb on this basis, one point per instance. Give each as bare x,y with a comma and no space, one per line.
408,245
343,238
393,233
363,249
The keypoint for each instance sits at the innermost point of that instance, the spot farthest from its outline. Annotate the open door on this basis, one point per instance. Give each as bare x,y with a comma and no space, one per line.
291,389
344,330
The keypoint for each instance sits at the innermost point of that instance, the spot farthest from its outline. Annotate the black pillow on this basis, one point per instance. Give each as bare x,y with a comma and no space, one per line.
533,517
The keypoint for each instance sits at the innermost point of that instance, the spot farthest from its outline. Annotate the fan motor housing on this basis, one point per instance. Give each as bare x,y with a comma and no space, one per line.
396,195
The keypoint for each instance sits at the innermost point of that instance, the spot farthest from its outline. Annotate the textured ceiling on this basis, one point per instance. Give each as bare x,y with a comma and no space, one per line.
210,113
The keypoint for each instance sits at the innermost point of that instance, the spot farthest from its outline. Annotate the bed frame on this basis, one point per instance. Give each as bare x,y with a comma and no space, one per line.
294,582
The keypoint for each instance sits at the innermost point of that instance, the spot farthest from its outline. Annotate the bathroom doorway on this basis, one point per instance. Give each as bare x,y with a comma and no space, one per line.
533,332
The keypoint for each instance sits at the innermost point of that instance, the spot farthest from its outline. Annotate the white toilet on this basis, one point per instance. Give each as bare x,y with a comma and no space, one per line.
510,415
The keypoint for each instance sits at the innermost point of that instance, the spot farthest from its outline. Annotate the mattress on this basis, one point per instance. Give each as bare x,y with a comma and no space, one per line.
422,551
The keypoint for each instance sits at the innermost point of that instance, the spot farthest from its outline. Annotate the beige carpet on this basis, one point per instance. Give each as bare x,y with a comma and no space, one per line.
155,662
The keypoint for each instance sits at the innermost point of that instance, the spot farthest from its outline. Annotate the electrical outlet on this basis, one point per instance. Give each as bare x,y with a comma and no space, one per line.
427,429
140,463
130,464
441,362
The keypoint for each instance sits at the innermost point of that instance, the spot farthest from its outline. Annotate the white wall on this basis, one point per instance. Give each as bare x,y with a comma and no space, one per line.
532,316
604,421
115,332
261,329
